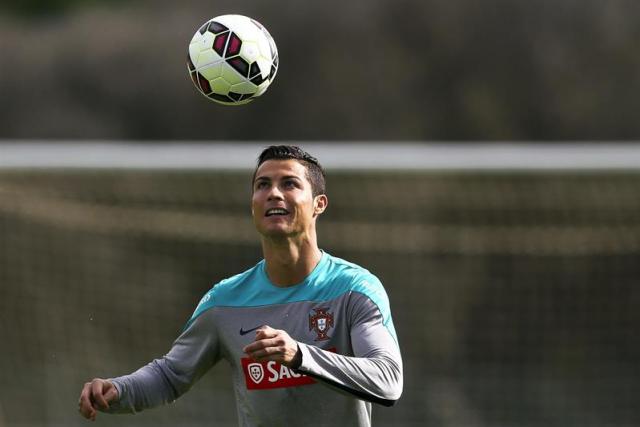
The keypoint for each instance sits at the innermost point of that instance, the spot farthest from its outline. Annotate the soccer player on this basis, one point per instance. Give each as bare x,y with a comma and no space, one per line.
309,336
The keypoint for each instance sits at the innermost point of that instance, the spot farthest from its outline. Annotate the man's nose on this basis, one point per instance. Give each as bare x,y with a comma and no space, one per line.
274,193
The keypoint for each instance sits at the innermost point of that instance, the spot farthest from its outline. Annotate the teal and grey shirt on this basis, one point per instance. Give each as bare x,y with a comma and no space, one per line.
341,319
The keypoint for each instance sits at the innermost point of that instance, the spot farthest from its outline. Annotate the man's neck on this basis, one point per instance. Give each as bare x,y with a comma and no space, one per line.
288,262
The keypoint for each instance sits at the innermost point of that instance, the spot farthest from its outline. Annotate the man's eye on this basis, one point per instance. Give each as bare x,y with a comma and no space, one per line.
261,184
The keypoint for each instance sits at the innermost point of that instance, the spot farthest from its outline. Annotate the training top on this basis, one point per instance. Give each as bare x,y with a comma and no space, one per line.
340,317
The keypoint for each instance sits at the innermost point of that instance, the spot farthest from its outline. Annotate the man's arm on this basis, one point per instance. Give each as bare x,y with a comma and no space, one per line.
161,381
164,380
374,373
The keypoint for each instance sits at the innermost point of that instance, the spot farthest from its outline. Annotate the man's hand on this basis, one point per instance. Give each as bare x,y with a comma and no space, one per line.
276,345
96,395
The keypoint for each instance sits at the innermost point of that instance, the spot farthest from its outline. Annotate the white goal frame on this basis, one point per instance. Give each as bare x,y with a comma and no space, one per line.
436,156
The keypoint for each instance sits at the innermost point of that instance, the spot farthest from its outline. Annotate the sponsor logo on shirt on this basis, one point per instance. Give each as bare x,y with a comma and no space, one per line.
266,375
270,374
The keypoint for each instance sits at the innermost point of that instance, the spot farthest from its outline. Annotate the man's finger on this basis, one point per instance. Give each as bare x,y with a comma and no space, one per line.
261,344
96,394
268,353
111,394
265,332
87,411
86,407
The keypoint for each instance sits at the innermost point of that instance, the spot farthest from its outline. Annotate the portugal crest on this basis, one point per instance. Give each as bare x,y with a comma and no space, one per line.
320,322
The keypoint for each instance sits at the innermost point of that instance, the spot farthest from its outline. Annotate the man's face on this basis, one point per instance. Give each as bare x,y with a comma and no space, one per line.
283,203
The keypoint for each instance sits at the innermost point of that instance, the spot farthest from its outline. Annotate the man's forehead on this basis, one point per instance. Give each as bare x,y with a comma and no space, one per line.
277,167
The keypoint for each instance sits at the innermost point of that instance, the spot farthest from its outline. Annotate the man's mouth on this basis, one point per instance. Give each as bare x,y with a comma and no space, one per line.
276,211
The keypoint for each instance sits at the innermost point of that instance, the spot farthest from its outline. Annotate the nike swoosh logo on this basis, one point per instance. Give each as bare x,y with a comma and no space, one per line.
246,331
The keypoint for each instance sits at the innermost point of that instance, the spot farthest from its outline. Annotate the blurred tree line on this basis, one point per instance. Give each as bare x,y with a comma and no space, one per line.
359,70
42,8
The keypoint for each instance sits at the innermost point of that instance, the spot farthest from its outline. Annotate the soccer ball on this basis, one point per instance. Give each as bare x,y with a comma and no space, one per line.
232,59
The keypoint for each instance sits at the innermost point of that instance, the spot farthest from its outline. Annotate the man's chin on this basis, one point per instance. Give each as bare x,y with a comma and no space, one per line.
275,232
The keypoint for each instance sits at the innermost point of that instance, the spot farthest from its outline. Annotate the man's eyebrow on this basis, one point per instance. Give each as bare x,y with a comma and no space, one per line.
266,178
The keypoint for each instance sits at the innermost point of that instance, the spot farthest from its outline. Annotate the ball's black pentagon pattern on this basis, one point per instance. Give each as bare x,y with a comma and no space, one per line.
233,47
203,29
190,63
231,98
227,44
216,27
235,96
254,70
218,97
220,42
240,65
255,75
203,83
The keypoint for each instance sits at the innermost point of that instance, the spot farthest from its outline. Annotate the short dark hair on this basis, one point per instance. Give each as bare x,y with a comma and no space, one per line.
315,172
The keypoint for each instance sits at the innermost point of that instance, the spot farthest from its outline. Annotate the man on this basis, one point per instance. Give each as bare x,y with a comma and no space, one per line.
309,336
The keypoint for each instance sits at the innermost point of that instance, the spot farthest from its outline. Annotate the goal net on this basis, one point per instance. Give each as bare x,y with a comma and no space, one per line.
512,272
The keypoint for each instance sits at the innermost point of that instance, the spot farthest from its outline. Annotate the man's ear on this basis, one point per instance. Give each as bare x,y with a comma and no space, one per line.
320,204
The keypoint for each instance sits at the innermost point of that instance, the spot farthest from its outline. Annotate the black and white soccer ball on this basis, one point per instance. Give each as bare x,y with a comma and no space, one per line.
232,59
